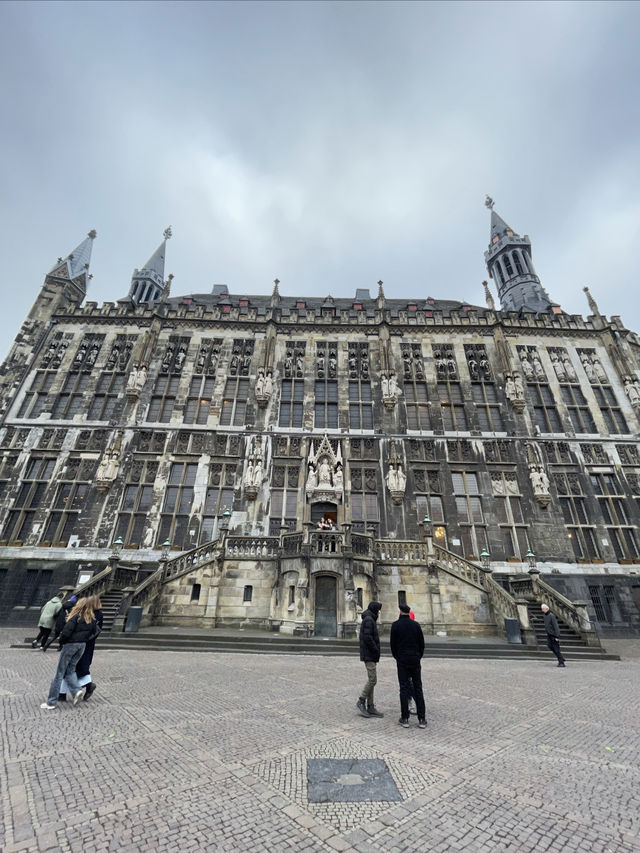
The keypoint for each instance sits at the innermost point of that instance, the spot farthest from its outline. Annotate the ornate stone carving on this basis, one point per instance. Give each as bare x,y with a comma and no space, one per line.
264,388
390,390
632,390
253,474
540,483
136,381
396,482
514,391
325,476
109,465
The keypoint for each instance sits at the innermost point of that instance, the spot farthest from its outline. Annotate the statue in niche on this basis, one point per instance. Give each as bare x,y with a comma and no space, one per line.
268,384
451,367
517,381
257,472
93,354
394,389
526,366
338,477
332,366
396,482
182,354
248,474
392,481
599,369
385,386
485,368
260,383
473,367
537,366
632,390
312,479
558,366
588,367
441,366
540,484
324,473
568,368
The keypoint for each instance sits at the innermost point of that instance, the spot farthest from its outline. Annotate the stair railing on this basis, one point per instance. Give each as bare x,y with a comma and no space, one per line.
573,614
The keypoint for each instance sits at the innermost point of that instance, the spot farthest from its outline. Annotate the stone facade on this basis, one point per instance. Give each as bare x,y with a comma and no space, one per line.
226,427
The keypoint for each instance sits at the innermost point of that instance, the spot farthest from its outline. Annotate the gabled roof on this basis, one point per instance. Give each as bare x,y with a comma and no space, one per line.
77,262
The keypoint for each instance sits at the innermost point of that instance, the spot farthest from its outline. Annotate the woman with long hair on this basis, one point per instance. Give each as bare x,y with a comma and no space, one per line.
83,667
81,627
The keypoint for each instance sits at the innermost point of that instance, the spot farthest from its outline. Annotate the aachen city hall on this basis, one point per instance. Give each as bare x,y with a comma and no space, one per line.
276,462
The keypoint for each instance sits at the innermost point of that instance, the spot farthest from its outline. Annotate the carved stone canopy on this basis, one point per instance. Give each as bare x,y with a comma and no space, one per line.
325,477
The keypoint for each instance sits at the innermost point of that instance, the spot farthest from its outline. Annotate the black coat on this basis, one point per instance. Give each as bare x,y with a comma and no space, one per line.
84,664
77,630
407,639
551,625
61,618
369,637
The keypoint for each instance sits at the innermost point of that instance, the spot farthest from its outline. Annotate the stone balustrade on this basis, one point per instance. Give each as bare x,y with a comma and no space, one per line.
401,551
251,547
326,542
458,566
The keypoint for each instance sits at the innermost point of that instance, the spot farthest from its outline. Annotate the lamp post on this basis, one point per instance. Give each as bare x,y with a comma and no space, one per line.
226,516
531,559
116,548
485,558
164,550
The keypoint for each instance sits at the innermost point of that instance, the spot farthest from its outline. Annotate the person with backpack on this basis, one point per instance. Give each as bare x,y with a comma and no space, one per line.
61,618
47,619
81,627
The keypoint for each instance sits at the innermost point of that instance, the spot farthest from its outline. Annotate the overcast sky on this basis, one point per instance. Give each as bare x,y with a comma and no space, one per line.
328,144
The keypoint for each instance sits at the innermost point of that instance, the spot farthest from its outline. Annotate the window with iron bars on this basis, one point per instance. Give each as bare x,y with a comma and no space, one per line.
614,509
29,499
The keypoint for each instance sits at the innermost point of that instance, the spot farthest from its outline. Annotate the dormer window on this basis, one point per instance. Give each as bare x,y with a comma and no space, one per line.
244,303
302,305
431,301
226,309
357,306
187,300
466,307
412,307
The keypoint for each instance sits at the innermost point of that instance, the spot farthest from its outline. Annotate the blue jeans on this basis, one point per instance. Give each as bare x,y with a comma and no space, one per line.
69,657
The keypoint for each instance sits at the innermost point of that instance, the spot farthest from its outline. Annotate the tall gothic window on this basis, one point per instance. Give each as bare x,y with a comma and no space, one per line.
103,405
70,401
218,498
610,409
545,413
136,502
29,499
483,389
63,520
163,399
199,400
364,498
429,501
454,418
284,498
506,493
178,501
471,527
326,386
580,529
578,408
291,403
613,507
234,404
415,388
35,399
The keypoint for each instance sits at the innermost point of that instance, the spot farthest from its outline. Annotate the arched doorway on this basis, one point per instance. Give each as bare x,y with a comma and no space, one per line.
324,509
326,601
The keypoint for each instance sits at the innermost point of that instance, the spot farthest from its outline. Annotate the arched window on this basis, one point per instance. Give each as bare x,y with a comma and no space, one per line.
516,260
507,265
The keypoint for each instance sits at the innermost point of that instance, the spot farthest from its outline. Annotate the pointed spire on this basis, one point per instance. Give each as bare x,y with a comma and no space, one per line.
491,305
275,294
593,305
498,227
381,300
147,283
76,264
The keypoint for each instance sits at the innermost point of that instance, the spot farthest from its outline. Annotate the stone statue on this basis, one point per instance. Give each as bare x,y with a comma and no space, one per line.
510,387
568,368
540,483
558,366
260,383
485,368
473,368
537,366
385,386
113,463
324,473
401,479
257,473
338,477
517,381
599,369
632,390
588,367
268,384
526,366
392,481
248,474
394,388
312,479
103,468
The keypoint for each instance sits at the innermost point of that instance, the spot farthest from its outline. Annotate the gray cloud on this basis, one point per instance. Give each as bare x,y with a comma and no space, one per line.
330,144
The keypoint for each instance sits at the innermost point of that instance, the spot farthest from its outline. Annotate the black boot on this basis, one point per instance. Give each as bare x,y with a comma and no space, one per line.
90,688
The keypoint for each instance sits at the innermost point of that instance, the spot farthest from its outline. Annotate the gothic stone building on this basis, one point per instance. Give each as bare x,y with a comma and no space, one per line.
178,453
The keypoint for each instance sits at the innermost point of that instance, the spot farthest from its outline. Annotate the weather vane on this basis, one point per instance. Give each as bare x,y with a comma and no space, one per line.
489,202
167,233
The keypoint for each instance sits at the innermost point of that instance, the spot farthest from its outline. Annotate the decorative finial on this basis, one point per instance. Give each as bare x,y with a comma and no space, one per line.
380,290
167,234
593,305
489,202
491,305
276,281
93,234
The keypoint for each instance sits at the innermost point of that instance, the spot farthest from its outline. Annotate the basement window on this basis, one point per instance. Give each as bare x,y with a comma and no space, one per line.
195,592
292,594
248,594
359,597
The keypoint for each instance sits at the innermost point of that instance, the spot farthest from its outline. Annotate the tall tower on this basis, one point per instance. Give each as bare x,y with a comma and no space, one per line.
509,264
147,283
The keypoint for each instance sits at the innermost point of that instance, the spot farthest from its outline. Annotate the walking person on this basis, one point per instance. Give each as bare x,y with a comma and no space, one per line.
80,628
47,619
370,655
83,667
61,618
407,647
553,633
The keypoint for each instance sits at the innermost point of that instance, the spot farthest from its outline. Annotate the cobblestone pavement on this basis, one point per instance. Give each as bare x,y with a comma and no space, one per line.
191,752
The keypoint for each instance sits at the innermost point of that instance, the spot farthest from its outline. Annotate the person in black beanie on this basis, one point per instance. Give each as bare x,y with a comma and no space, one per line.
407,647
370,655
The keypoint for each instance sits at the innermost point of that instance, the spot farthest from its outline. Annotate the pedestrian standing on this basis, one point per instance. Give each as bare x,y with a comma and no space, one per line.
61,618
407,647
81,627
553,633
47,619
370,655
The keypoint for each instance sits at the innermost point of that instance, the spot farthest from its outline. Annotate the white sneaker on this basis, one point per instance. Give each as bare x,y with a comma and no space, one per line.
412,706
47,707
79,696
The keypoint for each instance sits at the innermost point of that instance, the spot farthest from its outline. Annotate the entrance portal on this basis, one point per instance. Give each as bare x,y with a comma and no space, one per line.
326,617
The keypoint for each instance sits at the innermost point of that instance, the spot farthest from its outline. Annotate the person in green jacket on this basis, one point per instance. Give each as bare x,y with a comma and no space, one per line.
47,619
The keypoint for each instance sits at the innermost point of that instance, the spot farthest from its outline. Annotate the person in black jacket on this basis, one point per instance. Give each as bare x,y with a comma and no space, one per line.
80,628
370,654
553,633
407,647
61,618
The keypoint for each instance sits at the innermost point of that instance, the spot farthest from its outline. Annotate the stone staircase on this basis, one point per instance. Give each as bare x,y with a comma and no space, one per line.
569,639
111,601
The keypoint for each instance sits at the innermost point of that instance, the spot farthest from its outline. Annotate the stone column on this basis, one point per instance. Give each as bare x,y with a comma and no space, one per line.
586,626
528,634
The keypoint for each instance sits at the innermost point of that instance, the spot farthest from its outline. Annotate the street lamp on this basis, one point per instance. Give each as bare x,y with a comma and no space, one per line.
164,550
531,559
485,558
116,548
226,515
